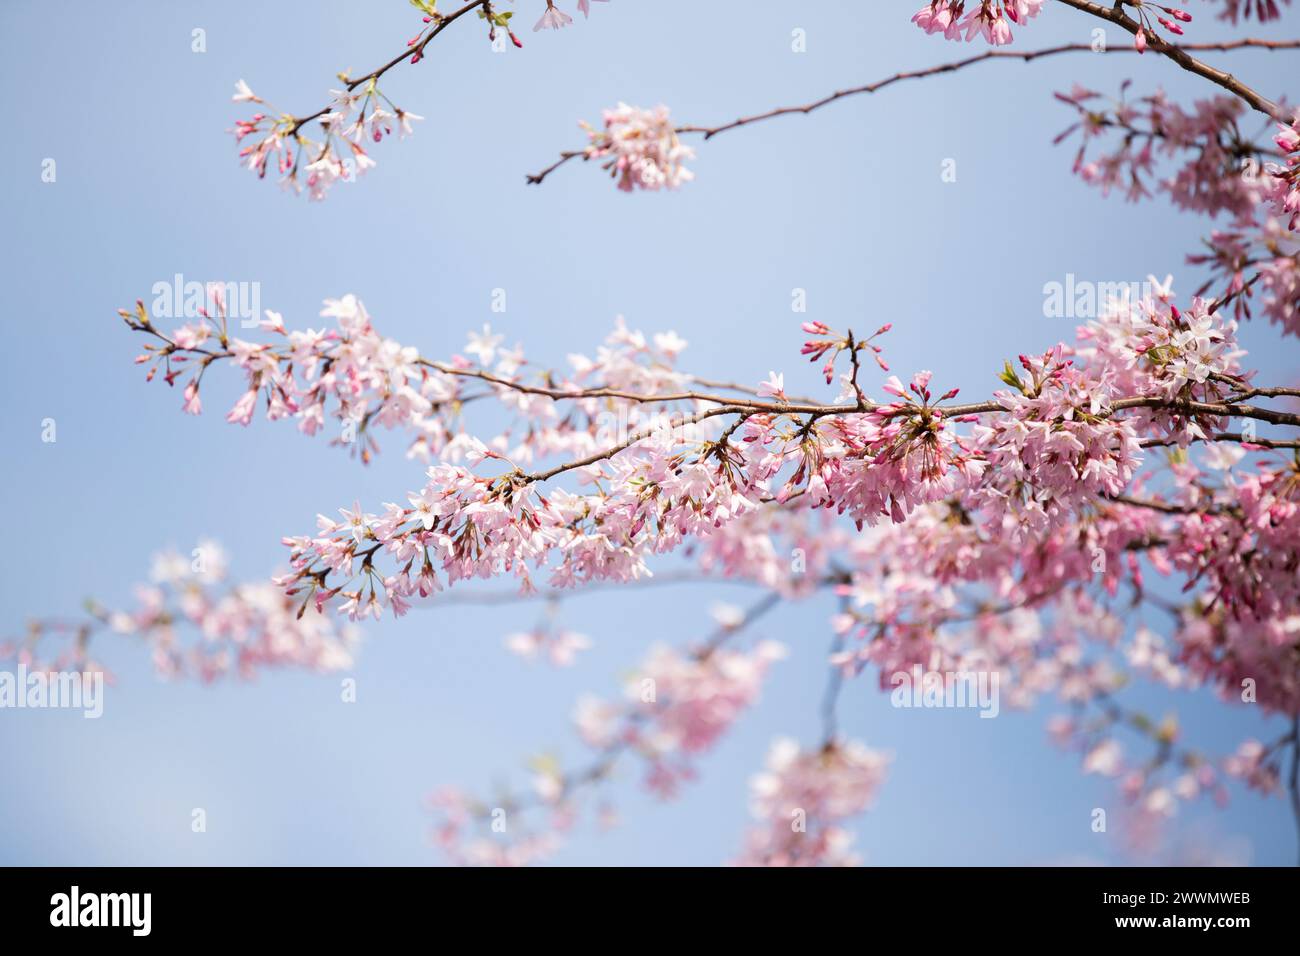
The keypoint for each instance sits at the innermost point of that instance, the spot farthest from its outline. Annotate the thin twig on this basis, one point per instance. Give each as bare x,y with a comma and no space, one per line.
1026,56
416,51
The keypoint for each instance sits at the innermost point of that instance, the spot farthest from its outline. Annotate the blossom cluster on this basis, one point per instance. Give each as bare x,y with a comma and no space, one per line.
1032,537
1284,180
802,799
352,118
1217,170
1154,786
359,113
1208,138
554,18
458,833
999,536
1042,449
1262,10
640,148
238,629
990,19
557,645
676,708
348,374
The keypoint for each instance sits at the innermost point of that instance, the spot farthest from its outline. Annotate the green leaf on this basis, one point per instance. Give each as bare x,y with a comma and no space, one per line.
1011,378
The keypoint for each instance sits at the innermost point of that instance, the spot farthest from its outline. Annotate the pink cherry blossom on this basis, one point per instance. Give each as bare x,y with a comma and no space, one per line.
196,623
802,800
1117,504
553,18
641,148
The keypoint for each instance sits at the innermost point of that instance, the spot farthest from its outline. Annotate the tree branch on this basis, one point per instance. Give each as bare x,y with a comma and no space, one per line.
1179,55
1023,55
416,51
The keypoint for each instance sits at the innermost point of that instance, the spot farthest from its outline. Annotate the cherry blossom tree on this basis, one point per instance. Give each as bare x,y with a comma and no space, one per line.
1122,506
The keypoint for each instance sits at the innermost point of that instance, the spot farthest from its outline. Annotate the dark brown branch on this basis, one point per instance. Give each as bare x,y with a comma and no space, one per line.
534,179
1225,436
416,50
1163,506
1024,55
1179,55
737,405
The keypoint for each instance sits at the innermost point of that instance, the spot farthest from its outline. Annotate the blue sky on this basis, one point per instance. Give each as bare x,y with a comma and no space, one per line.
846,203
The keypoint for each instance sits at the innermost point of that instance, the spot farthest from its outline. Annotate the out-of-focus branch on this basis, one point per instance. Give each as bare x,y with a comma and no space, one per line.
600,768
502,596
